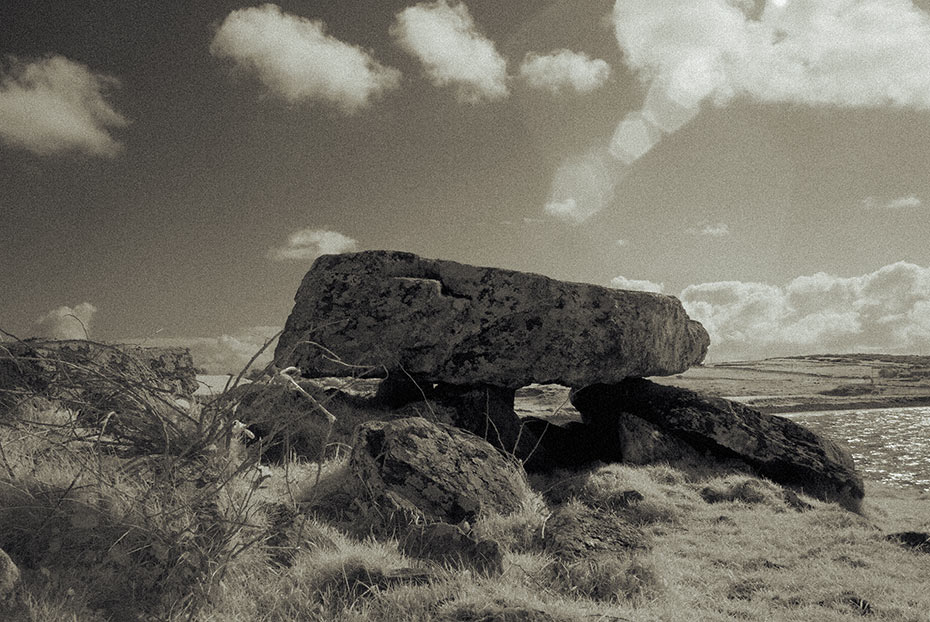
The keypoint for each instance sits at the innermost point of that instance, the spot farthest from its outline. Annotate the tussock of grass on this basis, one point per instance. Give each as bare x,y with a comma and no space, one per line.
640,495
630,578
518,532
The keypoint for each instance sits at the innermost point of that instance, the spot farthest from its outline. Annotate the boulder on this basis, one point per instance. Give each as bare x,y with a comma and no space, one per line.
442,321
775,447
434,472
87,375
576,530
9,577
622,438
488,412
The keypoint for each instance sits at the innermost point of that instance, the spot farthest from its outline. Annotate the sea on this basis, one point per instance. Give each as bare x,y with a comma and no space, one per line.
889,445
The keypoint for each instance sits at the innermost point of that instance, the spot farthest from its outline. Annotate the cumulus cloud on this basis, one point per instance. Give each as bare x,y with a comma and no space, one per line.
886,310
67,322
297,60
620,282
892,204
563,70
869,53
718,230
445,38
308,244
53,105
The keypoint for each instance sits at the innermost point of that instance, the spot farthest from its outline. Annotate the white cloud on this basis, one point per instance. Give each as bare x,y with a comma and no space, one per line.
297,60
447,41
67,322
581,187
892,204
622,243
718,230
563,70
225,354
307,244
53,105
620,282
870,53
886,310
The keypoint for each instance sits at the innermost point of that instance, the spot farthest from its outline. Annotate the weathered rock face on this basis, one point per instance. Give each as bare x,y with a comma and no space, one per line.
434,472
9,576
577,530
488,412
90,374
776,447
443,321
620,438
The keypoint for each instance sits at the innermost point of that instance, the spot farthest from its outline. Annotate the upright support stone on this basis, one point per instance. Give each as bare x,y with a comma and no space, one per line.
399,389
487,411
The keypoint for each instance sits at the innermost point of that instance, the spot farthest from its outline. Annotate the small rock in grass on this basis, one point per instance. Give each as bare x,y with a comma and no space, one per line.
917,540
9,576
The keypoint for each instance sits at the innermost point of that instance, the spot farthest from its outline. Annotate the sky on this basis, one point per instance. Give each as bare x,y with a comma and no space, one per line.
170,170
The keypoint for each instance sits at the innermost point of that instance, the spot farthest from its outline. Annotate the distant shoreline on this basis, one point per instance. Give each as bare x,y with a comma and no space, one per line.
786,404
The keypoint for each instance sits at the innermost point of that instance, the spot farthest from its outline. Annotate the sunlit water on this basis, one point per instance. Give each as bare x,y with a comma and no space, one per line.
890,445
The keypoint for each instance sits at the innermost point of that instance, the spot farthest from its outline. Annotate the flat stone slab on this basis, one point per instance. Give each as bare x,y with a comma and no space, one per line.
777,448
442,321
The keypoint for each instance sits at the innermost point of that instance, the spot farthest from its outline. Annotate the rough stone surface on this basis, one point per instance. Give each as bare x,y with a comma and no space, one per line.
488,412
448,322
9,576
634,440
81,373
623,438
775,447
434,472
450,544
577,530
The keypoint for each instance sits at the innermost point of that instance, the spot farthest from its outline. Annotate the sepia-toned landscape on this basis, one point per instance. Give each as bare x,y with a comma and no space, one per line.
381,491
464,311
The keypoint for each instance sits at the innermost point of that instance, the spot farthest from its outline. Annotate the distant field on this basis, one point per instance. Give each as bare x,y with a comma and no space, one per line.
814,382
789,384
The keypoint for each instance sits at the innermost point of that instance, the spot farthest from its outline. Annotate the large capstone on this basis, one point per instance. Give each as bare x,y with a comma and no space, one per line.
441,321
777,448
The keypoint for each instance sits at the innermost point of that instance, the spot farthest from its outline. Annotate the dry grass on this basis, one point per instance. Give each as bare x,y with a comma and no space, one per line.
106,528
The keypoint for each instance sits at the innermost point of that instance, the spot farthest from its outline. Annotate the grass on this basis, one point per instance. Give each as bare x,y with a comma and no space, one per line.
124,526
